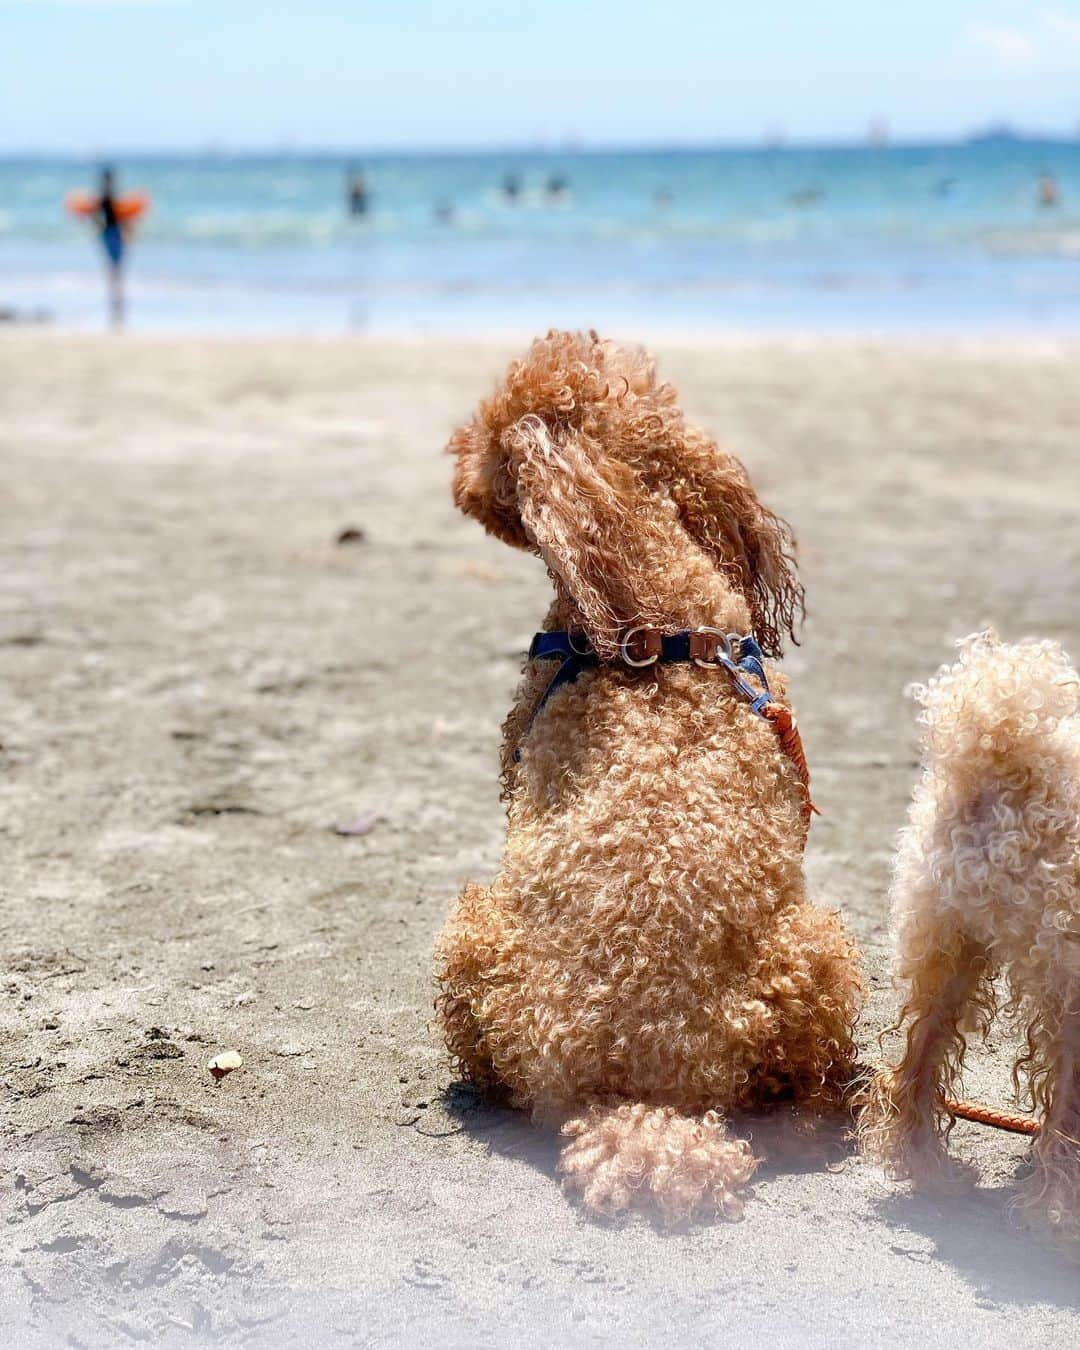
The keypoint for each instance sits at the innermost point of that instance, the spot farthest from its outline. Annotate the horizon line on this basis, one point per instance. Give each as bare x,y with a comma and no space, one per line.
1001,132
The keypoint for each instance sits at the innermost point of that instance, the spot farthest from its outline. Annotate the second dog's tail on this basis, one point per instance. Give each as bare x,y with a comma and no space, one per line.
653,1158
999,702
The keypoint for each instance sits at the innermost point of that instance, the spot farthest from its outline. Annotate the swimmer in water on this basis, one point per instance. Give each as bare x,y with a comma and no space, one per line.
1047,189
357,195
511,187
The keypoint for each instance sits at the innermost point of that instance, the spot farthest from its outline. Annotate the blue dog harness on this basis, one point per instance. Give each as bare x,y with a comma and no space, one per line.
642,647
708,648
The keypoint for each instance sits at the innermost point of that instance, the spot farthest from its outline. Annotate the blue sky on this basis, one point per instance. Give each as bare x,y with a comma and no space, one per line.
93,75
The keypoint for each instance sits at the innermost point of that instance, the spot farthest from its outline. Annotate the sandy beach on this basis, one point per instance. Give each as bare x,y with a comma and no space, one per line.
200,687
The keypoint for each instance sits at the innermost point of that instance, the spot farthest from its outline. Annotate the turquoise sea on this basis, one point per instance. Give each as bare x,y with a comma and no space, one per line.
942,238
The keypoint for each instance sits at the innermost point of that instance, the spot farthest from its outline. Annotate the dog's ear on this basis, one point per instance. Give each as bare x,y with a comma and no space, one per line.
755,548
484,486
578,507
574,383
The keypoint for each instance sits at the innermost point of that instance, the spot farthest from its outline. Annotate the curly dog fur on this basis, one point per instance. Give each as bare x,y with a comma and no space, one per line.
646,961
987,881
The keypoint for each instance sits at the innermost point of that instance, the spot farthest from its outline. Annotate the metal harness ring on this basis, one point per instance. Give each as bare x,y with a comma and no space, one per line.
724,642
625,653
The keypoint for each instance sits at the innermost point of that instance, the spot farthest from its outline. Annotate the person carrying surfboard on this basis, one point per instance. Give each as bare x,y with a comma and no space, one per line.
113,216
112,241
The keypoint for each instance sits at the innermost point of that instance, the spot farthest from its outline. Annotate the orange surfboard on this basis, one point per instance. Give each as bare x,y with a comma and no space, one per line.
130,206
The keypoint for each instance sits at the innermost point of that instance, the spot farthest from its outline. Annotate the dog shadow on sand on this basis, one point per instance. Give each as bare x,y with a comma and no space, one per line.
501,1128
788,1148
972,1230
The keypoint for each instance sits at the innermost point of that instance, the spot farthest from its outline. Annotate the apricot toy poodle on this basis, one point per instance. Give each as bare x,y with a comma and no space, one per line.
646,961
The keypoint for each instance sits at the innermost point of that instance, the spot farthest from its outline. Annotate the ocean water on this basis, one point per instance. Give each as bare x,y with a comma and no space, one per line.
941,238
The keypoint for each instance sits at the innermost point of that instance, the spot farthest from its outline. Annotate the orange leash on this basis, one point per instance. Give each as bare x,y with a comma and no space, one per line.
1012,1121
787,734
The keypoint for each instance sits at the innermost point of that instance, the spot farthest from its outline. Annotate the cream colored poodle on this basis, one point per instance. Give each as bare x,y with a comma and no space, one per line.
987,883
646,961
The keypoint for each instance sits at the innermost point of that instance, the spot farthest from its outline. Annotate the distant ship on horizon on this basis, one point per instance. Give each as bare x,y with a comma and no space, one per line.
1003,133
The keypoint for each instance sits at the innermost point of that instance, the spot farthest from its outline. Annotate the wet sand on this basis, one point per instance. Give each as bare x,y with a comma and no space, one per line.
198,685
